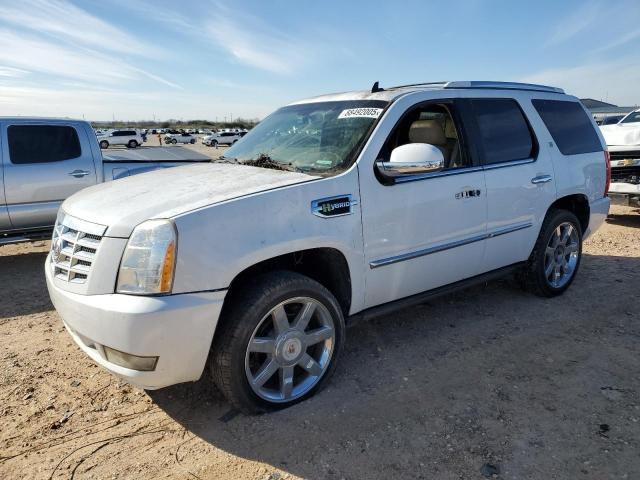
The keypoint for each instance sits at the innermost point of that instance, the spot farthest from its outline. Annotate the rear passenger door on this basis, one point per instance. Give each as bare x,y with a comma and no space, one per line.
519,177
43,165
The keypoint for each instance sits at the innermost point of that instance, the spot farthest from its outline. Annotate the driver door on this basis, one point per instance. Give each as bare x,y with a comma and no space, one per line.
423,231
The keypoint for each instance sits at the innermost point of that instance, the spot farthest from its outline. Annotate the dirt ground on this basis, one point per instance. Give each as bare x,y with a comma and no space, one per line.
490,380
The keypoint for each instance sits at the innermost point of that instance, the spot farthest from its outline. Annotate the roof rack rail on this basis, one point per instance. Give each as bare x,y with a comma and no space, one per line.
424,84
503,85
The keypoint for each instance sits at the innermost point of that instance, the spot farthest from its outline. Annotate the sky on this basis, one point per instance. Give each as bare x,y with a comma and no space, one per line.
206,59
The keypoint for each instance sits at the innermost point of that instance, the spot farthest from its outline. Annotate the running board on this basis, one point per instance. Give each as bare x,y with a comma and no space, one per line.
417,299
25,237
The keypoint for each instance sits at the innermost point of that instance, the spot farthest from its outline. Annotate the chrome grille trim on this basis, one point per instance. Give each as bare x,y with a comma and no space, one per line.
73,251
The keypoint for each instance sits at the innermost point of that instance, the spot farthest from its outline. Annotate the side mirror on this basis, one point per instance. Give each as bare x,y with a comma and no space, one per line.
411,159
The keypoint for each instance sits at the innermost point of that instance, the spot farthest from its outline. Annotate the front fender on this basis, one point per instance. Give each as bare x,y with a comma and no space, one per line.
217,243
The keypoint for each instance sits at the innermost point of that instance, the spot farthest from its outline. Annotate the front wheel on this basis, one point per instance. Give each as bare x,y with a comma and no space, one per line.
174,141
556,256
104,144
193,140
214,144
278,342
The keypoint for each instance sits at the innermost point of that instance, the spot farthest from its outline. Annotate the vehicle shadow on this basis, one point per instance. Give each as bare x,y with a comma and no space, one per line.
23,286
491,374
625,220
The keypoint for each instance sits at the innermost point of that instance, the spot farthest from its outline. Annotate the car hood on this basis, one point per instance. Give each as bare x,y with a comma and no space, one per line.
122,204
622,133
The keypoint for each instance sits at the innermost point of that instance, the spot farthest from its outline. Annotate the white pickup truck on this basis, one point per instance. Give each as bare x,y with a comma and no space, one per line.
623,142
334,208
43,161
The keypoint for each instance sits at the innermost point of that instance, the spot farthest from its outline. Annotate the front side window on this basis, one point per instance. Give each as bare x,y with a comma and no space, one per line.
321,138
569,125
42,143
432,124
503,129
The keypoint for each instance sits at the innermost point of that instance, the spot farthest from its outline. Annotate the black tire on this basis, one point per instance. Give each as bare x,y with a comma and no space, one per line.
243,312
174,141
214,143
104,144
132,144
193,140
233,143
533,277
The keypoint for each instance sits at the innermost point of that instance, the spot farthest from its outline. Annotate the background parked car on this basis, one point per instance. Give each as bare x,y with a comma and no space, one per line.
180,138
610,120
128,138
221,138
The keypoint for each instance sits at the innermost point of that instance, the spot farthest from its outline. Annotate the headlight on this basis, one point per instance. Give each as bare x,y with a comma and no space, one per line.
148,262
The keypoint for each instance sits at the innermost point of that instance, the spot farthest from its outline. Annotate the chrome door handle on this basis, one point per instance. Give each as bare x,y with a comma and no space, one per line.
541,179
79,173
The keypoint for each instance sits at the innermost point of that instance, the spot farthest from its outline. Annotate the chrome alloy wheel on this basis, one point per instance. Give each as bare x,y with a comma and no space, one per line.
561,255
290,349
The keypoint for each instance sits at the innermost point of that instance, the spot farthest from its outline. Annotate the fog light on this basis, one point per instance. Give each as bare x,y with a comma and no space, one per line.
133,362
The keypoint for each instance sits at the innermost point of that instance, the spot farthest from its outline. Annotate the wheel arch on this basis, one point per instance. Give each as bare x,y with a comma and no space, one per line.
576,203
326,265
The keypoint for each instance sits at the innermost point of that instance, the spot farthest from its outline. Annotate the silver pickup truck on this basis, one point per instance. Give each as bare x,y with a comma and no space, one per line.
44,161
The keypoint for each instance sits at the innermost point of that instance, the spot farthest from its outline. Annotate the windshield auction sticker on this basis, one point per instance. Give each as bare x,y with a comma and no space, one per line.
360,113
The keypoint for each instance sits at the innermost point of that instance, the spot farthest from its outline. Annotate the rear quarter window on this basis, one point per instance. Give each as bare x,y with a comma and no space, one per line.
42,143
569,125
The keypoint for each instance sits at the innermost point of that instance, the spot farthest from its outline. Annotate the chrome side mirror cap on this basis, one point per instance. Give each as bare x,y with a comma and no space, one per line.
412,159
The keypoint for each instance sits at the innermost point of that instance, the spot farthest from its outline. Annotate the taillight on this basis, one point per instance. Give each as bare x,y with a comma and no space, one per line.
607,162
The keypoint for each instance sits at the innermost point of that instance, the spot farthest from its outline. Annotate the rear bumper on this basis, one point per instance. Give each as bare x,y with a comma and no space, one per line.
599,210
178,329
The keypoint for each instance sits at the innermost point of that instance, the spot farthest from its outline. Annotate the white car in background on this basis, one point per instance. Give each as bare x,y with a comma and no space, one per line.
221,138
180,138
623,143
128,138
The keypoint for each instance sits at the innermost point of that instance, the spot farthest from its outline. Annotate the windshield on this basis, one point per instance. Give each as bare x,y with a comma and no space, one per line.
633,117
320,138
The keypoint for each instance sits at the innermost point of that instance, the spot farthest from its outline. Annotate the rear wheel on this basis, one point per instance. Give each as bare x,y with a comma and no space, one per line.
278,342
556,256
193,140
104,144
174,141
132,144
214,143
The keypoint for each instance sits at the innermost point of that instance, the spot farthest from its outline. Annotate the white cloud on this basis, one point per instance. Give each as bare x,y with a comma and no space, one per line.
256,47
614,82
26,52
81,100
64,20
12,72
620,41
579,21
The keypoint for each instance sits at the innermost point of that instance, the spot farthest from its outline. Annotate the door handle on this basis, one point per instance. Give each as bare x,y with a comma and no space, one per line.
79,173
541,179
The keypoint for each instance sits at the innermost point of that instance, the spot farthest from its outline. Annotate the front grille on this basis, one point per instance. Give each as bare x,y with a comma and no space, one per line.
626,174
73,253
625,155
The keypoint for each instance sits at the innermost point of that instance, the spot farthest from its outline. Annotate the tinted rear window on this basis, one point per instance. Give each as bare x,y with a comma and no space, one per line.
569,125
42,143
504,131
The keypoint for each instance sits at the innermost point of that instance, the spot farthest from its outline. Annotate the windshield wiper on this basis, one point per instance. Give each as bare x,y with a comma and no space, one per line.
224,159
265,161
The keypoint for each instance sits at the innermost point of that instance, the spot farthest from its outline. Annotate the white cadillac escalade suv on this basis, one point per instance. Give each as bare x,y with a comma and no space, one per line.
335,208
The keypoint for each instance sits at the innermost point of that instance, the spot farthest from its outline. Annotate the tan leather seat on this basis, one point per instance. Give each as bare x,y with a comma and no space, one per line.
431,132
